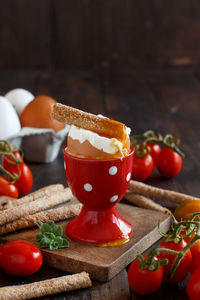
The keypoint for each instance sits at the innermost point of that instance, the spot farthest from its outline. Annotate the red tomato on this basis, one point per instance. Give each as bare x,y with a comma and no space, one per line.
195,248
20,258
7,189
25,181
185,264
144,281
195,262
193,285
155,151
142,167
169,162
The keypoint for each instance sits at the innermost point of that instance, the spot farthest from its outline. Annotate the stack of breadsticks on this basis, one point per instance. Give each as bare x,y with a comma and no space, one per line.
37,206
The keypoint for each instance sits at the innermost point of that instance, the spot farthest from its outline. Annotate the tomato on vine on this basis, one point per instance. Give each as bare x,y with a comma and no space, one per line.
144,281
8,189
195,262
167,159
169,162
142,167
193,285
25,181
143,163
155,151
185,264
195,248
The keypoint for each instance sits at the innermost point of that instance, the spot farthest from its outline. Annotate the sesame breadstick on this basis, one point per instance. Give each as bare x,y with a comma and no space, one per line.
55,214
47,190
145,202
6,202
42,203
148,190
102,126
46,287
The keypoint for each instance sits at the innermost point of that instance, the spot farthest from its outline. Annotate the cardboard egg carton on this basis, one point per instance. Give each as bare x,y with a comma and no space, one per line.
38,144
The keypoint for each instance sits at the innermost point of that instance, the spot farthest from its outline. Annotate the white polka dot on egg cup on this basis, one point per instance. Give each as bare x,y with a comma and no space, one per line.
99,185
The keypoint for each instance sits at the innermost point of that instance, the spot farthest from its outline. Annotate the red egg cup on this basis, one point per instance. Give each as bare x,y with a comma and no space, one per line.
98,184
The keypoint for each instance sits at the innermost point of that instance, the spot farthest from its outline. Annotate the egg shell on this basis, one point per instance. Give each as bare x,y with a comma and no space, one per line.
37,114
9,120
19,99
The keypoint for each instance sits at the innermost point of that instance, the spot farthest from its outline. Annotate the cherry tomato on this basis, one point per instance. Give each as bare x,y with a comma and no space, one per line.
195,248
185,264
144,281
169,162
8,189
193,285
155,151
25,181
142,167
195,262
20,258
186,209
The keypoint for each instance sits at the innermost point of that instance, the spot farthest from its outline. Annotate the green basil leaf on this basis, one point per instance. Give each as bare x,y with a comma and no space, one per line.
39,236
44,243
65,243
57,230
51,236
59,240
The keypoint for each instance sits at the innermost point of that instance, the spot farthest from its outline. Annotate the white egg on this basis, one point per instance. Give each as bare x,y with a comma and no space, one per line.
19,99
9,120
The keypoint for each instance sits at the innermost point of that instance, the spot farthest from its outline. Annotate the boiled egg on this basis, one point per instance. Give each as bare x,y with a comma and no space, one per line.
85,143
19,99
9,120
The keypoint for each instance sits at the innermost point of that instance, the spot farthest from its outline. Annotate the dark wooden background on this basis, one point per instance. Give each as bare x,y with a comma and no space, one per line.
99,34
134,61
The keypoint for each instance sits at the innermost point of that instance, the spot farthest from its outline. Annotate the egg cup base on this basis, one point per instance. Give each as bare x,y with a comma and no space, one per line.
99,227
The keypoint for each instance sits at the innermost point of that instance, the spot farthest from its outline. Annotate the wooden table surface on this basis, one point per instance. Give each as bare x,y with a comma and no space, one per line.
167,101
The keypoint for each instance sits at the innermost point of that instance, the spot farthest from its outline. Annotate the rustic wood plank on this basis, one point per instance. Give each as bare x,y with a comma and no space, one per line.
82,90
18,79
177,95
74,32
99,35
25,34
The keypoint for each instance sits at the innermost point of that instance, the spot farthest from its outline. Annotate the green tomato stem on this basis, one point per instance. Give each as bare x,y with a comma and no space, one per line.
13,176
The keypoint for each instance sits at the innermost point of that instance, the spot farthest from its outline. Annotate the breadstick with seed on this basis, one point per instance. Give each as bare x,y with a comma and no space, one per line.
46,287
56,214
47,190
148,190
102,126
43,203
6,202
145,202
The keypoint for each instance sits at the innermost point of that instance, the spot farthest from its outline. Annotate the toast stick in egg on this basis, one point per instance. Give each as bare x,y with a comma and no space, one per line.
88,121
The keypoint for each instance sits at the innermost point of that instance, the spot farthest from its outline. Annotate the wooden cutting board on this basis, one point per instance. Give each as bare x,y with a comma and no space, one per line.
104,263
